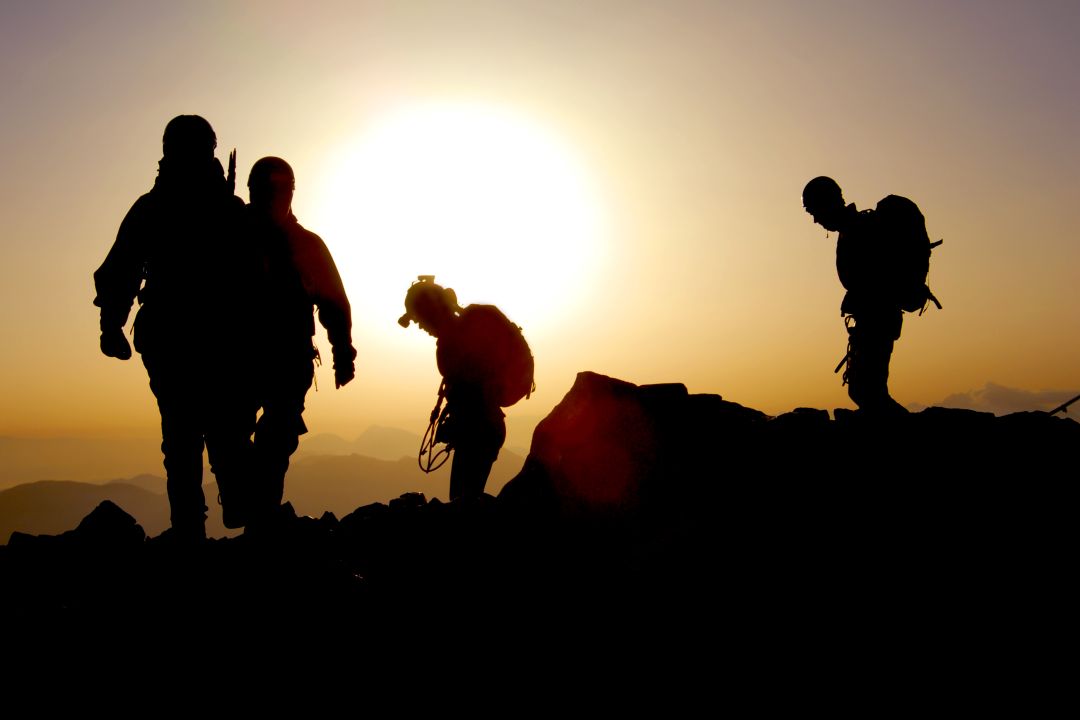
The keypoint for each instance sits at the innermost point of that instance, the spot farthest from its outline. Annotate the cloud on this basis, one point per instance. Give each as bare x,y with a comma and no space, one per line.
1001,400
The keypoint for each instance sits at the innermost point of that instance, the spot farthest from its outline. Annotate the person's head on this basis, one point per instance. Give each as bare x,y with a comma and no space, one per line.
188,138
270,186
430,306
824,201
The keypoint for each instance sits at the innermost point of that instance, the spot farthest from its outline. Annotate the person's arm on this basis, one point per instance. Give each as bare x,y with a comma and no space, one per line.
118,280
323,283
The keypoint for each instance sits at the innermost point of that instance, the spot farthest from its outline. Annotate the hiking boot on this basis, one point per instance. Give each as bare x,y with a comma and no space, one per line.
234,495
234,513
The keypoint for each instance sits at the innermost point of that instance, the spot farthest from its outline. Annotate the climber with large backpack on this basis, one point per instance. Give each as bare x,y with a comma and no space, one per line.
882,258
486,365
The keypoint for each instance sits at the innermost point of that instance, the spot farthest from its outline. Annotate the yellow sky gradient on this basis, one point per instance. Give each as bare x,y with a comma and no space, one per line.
692,125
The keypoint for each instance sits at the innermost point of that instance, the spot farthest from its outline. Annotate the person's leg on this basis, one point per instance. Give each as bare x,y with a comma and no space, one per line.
469,471
479,434
277,433
229,425
181,444
872,341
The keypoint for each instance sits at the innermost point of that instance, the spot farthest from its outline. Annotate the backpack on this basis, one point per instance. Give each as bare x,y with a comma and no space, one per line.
902,228
505,355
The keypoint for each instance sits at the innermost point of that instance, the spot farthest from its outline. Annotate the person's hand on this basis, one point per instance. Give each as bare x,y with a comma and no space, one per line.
114,344
343,374
344,366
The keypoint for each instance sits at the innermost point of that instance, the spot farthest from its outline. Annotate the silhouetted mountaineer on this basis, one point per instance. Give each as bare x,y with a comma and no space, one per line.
179,250
486,365
298,275
882,258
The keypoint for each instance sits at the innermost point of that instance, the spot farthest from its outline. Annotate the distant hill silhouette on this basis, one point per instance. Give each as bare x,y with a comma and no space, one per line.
50,507
150,483
24,460
315,484
325,444
59,480
341,483
380,443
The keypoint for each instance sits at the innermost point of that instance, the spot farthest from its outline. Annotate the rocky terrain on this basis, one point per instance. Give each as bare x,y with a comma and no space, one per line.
645,505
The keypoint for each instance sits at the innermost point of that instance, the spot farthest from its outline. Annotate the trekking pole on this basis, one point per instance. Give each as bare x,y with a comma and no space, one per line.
1064,407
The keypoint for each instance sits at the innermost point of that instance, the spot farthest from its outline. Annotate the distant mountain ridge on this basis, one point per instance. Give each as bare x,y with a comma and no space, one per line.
378,442
341,483
24,460
391,443
337,483
50,507
98,460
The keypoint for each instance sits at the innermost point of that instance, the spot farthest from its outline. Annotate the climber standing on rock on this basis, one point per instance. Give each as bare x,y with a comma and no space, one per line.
882,258
486,365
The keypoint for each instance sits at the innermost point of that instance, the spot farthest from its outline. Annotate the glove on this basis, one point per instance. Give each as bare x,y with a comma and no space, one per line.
114,344
344,365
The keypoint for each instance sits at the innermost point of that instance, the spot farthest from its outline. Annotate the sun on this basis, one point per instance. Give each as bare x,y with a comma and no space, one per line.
489,202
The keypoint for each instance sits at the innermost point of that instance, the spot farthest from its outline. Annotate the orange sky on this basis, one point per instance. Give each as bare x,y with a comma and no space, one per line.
668,242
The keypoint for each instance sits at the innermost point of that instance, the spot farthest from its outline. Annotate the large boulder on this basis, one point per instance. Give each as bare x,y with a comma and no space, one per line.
612,446
615,448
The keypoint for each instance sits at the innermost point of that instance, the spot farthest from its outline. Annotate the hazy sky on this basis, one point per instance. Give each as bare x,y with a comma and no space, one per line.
623,178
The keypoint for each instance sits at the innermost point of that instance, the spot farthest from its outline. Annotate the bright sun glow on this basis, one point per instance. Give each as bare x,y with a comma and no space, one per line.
486,201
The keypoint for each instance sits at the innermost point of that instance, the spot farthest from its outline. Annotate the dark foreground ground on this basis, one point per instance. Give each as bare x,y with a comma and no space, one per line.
646,523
